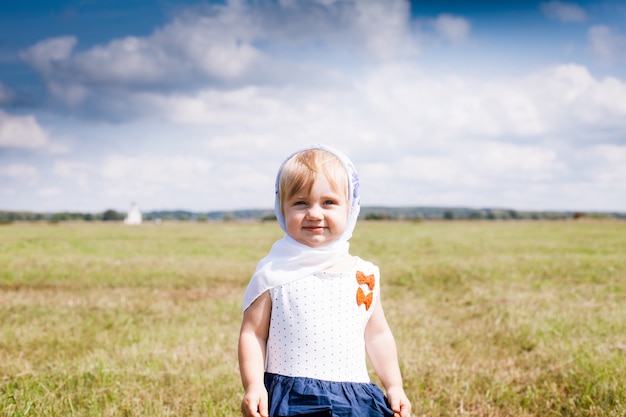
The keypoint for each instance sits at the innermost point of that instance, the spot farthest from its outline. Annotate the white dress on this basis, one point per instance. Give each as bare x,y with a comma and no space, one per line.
318,323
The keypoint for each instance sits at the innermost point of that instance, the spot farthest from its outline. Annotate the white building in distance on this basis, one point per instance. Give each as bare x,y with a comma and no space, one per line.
134,215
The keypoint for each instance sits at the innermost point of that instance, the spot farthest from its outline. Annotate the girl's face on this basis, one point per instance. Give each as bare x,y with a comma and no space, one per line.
316,218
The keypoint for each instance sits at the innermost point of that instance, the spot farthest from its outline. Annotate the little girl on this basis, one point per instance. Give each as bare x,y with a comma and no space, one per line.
312,311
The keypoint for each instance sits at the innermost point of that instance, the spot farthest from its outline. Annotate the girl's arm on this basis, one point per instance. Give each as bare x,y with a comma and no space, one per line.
381,350
252,345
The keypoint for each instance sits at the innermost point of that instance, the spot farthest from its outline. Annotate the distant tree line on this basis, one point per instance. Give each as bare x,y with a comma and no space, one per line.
461,213
367,213
108,215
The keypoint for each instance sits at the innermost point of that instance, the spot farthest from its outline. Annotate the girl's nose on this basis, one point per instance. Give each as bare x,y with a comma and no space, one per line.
314,212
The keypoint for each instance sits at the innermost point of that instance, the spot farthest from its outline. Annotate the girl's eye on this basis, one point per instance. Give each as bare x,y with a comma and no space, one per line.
299,203
330,202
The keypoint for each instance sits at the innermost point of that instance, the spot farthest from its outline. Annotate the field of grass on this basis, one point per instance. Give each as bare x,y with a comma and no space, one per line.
491,318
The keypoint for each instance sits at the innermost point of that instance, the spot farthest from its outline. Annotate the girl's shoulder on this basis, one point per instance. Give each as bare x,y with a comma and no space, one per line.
351,263
365,266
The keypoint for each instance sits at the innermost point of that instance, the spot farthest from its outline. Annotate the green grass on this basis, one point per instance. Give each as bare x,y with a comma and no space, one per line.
491,318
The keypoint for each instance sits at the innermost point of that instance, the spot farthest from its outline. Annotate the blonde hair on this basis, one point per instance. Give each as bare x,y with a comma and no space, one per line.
301,170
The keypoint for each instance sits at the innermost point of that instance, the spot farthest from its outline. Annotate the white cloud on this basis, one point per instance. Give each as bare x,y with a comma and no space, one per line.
70,93
219,44
21,132
23,173
430,108
148,168
390,19
8,192
564,12
192,44
431,169
25,133
607,44
148,174
475,167
249,106
578,103
49,55
452,28
609,164
135,60
76,171
49,192
514,162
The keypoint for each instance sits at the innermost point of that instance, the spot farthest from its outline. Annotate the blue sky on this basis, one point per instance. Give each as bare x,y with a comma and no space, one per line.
193,105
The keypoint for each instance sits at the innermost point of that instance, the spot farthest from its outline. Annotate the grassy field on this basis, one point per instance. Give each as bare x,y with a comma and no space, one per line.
491,318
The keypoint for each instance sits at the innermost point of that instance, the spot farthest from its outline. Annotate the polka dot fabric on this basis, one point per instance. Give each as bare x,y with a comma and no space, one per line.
317,325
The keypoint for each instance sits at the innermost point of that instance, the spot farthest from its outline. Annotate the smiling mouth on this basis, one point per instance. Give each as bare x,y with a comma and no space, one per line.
314,228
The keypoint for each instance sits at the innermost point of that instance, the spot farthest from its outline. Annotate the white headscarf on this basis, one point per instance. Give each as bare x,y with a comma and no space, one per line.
290,260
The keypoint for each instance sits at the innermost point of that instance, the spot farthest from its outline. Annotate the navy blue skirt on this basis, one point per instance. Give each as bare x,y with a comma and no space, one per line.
297,396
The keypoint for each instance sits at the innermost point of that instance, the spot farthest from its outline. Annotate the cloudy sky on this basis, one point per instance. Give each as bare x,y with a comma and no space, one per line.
193,105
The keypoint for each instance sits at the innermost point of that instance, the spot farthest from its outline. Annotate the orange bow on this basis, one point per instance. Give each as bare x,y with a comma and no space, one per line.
361,298
365,279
